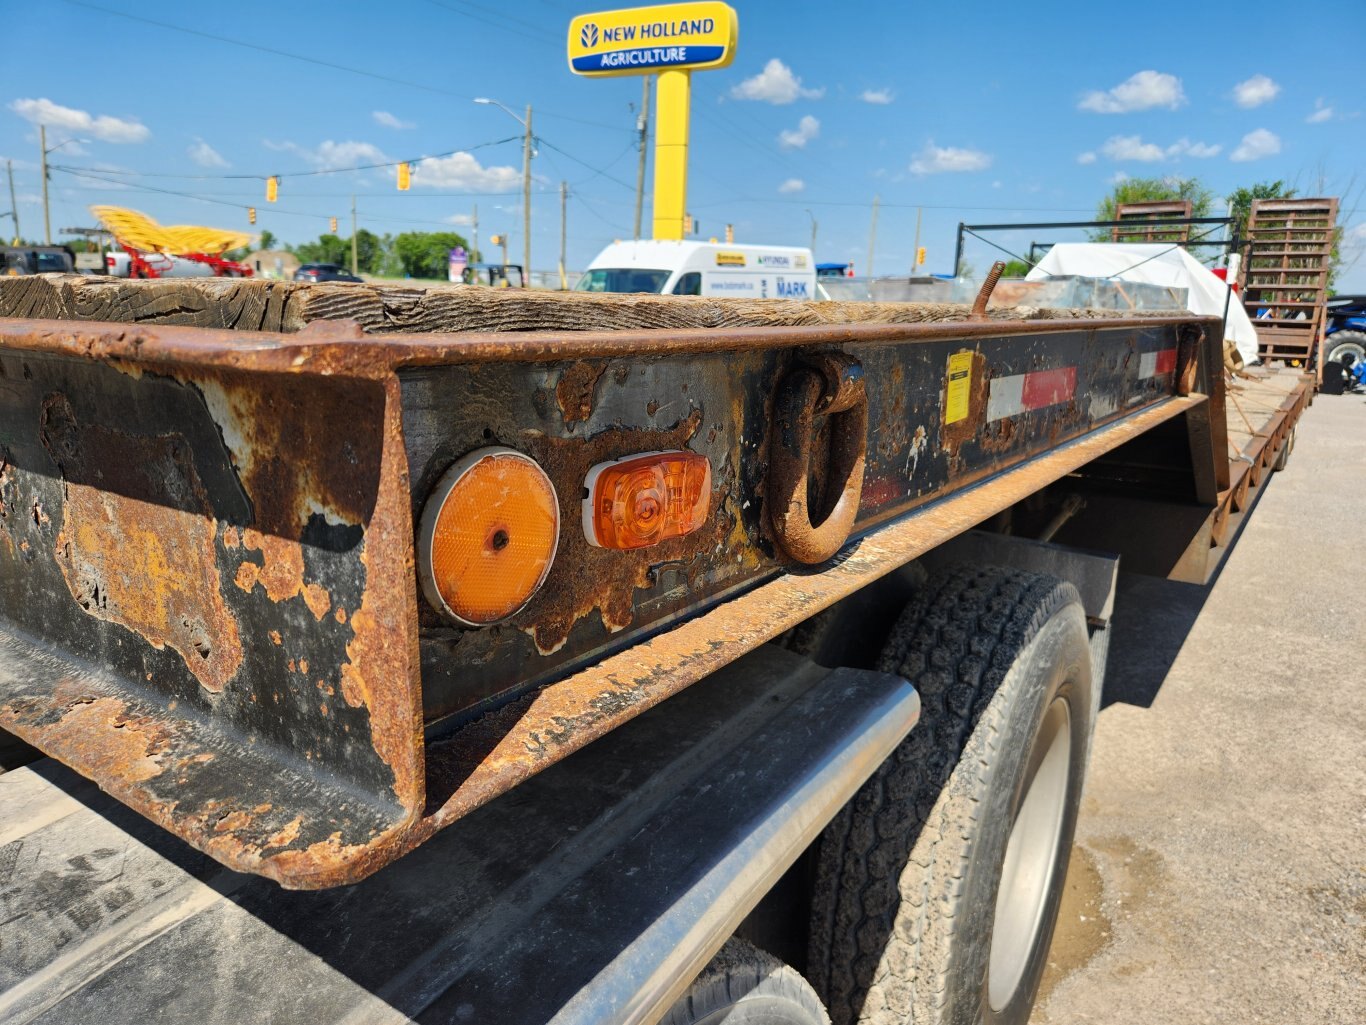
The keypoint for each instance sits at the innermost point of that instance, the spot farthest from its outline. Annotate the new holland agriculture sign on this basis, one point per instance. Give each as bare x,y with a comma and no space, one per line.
646,39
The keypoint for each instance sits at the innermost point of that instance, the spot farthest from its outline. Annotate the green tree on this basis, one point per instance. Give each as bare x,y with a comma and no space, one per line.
327,249
268,240
1015,269
1240,202
1146,190
369,251
424,254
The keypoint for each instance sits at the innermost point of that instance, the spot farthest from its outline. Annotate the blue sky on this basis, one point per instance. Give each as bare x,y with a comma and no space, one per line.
975,112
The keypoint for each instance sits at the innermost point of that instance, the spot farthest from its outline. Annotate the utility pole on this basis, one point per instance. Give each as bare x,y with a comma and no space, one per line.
355,263
14,207
872,235
474,224
643,127
813,233
526,202
47,217
915,250
564,222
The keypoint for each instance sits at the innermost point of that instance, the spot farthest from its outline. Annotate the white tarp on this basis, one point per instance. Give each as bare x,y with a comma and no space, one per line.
1153,263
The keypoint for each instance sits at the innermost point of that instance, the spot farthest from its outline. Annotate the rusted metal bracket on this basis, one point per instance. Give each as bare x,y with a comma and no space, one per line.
979,305
833,386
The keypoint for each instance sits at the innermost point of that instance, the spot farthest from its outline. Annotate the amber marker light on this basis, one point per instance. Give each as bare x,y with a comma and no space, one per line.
488,536
643,500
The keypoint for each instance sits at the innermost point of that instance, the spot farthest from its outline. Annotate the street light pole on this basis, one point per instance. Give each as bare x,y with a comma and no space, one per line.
526,202
813,233
47,216
14,207
526,182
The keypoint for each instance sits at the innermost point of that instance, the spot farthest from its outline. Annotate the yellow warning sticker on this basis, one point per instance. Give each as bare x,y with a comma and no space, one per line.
960,387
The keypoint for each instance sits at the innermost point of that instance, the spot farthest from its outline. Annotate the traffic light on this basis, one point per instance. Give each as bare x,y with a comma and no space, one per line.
272,188
497,240
251,215
730,234
332,226
920,257
405,176
689,224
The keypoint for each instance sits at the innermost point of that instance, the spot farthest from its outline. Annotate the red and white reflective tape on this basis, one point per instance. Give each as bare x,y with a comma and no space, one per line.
1022,393
1039,389
1154,364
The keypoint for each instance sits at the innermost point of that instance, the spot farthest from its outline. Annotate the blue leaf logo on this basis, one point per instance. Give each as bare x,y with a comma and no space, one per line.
588,35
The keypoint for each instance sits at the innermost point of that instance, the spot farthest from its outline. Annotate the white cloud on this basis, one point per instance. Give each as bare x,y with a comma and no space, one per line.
1255,145
792,185
463,172
1255,91
1142,91
1200,150
797,138
1321,113
205,155
103,126
1118,177
332,156
461,220
388,120
876,96
935,159
775,84
1132,147
1086,158
1355,235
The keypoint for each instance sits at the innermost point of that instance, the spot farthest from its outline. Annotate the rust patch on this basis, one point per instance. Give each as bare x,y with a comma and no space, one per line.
130,752
585,578
281,573
294,462
136,546
574,393
6,484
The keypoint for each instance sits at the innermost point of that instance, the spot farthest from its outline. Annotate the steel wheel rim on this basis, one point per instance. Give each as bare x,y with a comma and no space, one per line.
1354,349
1031,855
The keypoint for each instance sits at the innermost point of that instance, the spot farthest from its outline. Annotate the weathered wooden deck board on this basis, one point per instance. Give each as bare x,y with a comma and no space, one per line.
252,304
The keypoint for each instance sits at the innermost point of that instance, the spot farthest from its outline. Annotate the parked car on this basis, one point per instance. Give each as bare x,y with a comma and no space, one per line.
315,272
37,260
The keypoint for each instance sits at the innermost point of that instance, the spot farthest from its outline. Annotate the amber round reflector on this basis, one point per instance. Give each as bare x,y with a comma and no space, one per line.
488,536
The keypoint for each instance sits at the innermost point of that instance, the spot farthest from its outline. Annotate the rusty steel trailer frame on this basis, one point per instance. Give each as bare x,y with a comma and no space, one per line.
277,718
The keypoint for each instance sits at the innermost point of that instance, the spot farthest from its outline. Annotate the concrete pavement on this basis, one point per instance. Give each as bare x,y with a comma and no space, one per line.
1220,871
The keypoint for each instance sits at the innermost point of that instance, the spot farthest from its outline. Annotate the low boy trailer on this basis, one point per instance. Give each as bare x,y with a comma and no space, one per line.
464,655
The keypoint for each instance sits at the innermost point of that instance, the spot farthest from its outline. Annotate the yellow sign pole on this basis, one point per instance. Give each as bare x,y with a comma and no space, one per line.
671,153
669,41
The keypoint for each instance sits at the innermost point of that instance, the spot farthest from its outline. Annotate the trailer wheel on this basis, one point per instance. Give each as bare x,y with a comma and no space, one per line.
938,885
1345,347
744,985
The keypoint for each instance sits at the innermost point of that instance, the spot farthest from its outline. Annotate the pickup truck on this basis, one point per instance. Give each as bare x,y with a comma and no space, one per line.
472,655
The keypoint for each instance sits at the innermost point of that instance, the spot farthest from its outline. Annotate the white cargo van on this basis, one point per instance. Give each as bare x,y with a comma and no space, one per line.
703,268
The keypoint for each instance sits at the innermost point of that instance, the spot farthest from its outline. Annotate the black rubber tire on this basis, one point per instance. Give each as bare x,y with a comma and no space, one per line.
744,985
1342,342
908,872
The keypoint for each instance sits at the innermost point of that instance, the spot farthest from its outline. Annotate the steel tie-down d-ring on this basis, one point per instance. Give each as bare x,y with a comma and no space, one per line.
834,387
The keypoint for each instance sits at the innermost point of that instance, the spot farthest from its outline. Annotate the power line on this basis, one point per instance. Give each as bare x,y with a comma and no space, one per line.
266,49
597,170
499,21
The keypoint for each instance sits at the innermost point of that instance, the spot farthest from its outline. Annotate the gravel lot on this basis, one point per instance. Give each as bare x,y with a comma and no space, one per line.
1220,871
